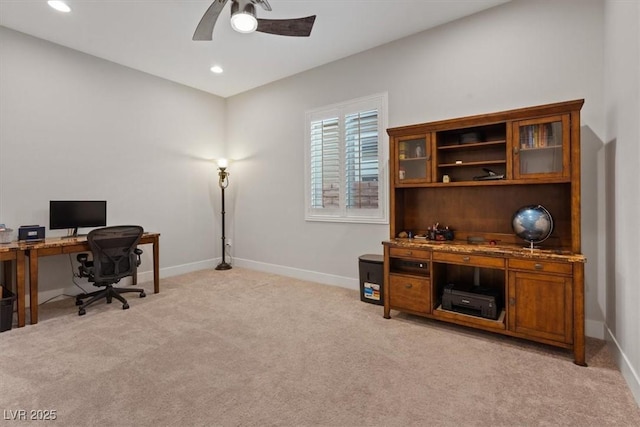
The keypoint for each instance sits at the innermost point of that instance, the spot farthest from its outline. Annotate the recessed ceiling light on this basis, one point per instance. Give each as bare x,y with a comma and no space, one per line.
59,6
217,69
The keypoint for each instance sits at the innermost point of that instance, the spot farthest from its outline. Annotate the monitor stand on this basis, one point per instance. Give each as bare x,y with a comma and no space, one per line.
72,233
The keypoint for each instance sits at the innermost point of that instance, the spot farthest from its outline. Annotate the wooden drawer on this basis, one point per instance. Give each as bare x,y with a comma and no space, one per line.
541,266
410,253
464,259
410,293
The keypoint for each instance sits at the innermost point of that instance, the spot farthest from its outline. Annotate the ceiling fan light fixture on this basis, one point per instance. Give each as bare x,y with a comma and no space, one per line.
243,21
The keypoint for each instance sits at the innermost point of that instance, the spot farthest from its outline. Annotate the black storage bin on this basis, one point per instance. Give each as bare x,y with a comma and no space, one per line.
371,278
6,309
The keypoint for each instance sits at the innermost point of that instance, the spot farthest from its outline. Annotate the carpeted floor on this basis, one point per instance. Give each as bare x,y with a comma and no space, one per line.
241,347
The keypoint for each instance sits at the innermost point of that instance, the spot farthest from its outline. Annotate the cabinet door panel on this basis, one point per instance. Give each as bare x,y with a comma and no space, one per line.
413,160
410,293
541,305
541,148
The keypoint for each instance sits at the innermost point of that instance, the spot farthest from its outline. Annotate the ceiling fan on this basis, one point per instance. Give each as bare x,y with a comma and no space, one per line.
243,19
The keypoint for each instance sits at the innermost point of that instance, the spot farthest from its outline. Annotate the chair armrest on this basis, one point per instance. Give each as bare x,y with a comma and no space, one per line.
138,252
85,269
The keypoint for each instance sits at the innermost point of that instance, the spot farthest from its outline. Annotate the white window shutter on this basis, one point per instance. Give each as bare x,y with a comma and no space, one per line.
345,158
325,163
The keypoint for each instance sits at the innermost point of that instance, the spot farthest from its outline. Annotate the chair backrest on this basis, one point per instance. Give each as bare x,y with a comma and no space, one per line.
112,248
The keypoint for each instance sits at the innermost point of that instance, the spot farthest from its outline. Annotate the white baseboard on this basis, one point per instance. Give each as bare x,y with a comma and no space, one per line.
626,368
177,270
297,273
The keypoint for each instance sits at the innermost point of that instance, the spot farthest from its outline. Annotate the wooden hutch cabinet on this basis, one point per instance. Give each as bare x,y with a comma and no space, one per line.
455,187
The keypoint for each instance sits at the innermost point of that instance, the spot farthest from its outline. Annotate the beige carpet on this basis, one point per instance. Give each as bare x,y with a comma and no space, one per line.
240,347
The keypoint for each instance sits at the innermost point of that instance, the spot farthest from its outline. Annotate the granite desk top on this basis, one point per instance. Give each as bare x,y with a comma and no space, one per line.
460,246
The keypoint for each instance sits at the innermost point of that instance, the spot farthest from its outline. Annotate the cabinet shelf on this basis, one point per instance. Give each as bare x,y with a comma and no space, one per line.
413,159
548,147
467,164
468,318
467,146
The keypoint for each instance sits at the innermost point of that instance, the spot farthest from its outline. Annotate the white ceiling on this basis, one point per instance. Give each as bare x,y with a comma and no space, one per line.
154,36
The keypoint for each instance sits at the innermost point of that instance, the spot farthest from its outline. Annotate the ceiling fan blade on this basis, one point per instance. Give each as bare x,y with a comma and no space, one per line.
300,27
264,3
204,30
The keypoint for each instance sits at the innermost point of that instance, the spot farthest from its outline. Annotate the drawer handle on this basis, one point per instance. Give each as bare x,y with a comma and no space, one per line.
408,286
538,266
466,259
409,252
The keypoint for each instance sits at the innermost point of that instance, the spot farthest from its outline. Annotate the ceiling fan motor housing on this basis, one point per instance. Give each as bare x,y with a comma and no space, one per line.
244,20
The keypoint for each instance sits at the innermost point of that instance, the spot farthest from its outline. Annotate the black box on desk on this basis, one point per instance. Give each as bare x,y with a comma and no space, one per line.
371,278
6,309
31,232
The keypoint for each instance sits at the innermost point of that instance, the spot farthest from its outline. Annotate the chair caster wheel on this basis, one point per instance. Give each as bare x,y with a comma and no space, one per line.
78,302
142,295
125,306
82,312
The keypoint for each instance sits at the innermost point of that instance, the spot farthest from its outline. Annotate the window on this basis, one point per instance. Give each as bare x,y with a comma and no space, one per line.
346,158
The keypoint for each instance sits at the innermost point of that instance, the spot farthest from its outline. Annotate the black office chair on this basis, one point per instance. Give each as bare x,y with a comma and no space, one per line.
115,256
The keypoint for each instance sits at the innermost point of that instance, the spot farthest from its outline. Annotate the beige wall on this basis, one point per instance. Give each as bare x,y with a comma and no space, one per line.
619,231
519,54
73,126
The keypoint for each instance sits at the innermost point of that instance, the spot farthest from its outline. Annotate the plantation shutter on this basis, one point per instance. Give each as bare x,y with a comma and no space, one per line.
325,163
345,162
361,160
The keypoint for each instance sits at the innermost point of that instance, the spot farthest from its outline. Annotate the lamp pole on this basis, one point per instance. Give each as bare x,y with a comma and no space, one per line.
223,182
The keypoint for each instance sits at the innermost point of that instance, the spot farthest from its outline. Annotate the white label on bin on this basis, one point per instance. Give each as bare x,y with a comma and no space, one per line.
372,291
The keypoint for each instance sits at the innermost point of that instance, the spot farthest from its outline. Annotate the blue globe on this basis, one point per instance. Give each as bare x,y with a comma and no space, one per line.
532,223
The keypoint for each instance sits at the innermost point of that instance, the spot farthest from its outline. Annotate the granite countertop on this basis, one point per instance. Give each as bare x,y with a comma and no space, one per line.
54,242
460,246
8,247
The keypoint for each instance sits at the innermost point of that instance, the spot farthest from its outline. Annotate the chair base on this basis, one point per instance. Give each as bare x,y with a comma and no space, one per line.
108,293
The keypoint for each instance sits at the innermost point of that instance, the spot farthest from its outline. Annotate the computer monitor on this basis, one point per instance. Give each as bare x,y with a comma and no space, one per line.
74,214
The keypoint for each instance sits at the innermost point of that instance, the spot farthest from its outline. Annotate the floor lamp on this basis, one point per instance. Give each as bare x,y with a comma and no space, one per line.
223,182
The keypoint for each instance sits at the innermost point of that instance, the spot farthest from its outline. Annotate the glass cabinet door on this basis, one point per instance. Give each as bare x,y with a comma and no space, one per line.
413,159
541,148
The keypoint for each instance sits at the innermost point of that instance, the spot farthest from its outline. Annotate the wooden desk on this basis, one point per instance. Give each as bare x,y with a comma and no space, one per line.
60,246
8,253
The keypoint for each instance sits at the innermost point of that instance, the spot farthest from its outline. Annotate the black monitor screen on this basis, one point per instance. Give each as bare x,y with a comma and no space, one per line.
77,214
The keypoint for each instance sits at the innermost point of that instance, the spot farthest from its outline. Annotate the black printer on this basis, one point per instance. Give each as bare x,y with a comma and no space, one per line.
475,300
